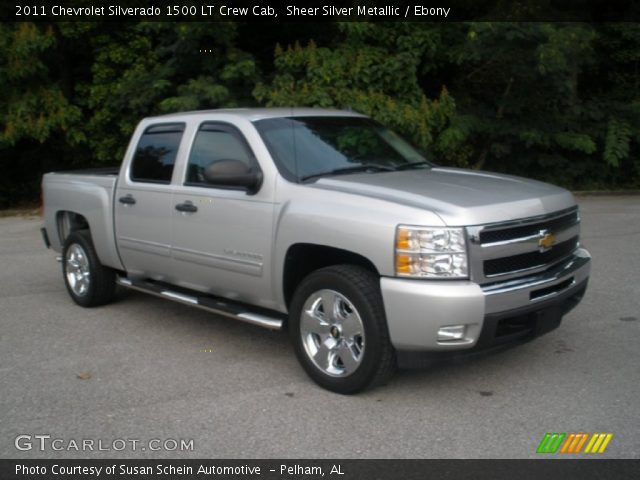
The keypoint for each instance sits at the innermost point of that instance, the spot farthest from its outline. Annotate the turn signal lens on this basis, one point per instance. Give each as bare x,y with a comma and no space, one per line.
408,240
404,264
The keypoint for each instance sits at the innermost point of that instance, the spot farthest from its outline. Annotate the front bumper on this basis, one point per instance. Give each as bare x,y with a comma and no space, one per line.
492,314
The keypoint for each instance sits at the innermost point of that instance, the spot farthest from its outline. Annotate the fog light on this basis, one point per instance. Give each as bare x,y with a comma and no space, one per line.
454,332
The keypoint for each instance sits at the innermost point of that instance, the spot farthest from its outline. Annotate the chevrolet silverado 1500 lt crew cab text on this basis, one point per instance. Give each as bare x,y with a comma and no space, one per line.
327,224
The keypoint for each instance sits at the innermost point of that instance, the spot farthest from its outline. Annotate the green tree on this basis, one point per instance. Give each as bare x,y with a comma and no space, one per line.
40,122
612,93
549,100
556,101
373,69
34,105
518,85
152,68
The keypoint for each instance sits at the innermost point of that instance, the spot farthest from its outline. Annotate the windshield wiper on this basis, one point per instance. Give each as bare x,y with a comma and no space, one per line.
409,166
354,169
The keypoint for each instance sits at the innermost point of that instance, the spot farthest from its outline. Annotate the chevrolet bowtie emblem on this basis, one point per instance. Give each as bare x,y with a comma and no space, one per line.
546,241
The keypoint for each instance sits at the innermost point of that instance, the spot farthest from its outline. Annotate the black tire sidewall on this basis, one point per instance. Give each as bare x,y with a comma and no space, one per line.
372,317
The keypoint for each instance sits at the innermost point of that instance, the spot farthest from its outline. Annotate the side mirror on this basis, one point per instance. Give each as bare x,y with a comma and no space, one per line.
232,173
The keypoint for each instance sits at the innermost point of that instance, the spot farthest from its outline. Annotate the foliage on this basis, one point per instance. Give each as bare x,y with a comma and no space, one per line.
32,107
548,100
153,68
373,70
556,101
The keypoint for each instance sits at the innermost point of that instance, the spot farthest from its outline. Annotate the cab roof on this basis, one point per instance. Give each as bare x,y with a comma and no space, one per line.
253,114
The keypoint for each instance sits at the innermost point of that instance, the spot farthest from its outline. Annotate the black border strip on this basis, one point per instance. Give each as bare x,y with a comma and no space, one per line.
277,12
349,469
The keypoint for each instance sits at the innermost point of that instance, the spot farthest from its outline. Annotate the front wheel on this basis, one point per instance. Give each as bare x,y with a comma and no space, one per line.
89,283
339,331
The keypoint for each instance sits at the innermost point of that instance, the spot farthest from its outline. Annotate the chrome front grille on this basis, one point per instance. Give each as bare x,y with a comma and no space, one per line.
491,235
514,249
529,260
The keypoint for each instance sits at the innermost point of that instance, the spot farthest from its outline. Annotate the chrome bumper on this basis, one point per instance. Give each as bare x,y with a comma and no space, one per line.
537,288
417,309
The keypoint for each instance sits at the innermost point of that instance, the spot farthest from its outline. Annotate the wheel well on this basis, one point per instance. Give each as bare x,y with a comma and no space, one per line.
69,222
304,258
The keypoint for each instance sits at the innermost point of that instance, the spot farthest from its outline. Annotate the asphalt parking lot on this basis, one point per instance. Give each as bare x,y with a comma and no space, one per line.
145,368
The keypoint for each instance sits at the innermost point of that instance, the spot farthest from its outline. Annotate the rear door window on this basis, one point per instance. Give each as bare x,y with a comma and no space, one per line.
156,153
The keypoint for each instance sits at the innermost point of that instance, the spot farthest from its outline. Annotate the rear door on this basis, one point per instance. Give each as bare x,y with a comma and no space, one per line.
222,245
143,204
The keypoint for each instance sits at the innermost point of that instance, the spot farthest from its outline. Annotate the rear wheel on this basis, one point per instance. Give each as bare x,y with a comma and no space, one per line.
88,282
339,330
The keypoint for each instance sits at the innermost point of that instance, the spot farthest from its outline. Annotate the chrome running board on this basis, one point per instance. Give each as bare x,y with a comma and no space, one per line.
220,306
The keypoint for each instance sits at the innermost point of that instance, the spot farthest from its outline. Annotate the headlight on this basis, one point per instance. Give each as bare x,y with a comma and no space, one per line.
436,252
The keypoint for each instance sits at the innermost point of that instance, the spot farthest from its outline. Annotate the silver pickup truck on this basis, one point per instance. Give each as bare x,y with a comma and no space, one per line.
327,224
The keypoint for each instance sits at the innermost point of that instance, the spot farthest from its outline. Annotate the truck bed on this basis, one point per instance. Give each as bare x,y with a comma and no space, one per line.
88,193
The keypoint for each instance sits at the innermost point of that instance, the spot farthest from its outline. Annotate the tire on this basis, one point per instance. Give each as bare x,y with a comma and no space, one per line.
349,350
88,282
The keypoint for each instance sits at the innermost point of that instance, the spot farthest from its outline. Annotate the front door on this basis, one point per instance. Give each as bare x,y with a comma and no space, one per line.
222,236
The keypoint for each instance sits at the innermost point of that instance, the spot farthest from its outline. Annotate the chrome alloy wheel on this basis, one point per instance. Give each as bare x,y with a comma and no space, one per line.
77,270
332,333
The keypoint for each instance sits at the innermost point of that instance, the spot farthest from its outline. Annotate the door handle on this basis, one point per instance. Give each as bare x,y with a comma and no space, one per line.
127,200
186,207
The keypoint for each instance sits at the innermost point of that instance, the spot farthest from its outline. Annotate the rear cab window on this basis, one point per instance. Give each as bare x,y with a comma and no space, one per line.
156,153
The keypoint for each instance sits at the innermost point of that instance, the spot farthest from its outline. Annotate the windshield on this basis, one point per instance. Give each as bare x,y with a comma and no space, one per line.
310,147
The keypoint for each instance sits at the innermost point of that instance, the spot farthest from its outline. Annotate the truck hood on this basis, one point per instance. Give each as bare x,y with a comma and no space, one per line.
459,197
